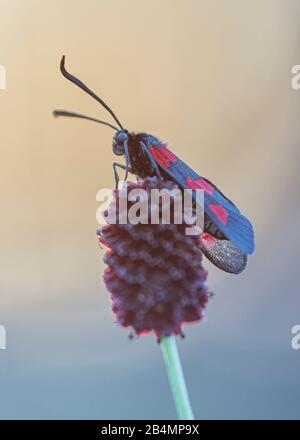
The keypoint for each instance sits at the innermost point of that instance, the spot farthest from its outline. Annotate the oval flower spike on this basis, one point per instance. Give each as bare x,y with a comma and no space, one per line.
155,273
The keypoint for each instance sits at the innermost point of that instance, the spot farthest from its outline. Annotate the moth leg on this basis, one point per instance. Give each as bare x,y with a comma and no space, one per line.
123,167
127,158
150,157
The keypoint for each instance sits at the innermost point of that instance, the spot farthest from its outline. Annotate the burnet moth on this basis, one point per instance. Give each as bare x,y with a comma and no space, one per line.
227,236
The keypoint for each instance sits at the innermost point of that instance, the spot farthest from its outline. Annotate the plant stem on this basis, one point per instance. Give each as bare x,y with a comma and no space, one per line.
176,378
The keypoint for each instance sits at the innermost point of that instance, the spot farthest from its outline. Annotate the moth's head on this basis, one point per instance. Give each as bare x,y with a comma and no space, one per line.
119,140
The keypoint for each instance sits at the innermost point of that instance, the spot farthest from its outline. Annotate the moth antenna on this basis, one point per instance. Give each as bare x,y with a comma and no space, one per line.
80,84
80,116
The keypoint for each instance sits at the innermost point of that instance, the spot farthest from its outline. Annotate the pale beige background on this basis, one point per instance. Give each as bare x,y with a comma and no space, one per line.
213,79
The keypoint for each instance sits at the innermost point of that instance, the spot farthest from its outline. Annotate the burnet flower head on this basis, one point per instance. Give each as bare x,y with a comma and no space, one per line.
154,271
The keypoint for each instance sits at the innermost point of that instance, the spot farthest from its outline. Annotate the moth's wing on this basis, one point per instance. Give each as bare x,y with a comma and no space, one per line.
218,208
223,254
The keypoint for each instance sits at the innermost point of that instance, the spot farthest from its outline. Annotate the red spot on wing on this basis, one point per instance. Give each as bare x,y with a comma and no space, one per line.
207,239
200,183
220,212
164,157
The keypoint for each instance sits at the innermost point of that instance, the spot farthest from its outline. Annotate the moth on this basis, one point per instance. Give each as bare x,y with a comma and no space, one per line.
228,237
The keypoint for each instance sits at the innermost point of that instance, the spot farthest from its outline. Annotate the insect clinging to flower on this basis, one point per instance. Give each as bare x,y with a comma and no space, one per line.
227,238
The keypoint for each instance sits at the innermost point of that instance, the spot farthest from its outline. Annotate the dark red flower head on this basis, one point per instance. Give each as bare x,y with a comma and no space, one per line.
155,273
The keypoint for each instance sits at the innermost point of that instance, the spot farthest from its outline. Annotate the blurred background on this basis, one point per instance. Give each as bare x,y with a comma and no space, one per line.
213,79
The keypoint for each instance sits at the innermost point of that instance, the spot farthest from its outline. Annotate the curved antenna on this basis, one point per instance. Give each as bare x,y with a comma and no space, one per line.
80,116
80,84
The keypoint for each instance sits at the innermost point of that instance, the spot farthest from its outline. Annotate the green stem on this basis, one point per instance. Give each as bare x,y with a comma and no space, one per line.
176,378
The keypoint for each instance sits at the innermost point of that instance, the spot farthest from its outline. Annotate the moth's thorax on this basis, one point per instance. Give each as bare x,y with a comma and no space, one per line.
139,160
